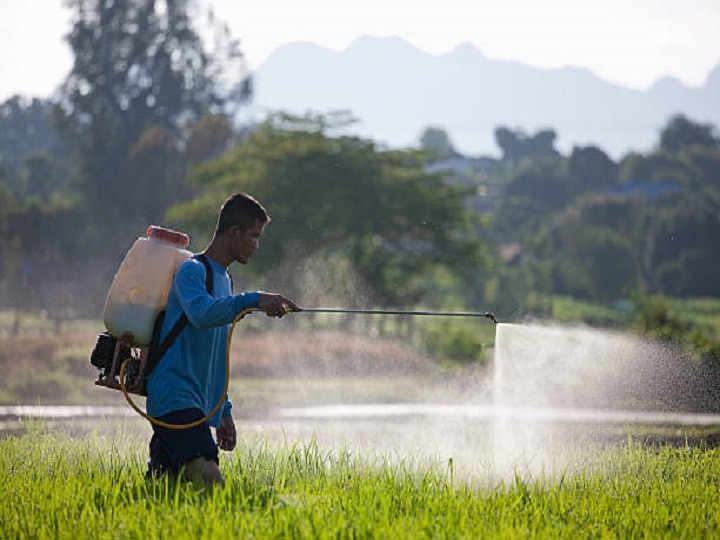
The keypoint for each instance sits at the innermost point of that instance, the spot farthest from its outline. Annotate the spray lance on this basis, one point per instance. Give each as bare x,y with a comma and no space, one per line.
485,314
241,315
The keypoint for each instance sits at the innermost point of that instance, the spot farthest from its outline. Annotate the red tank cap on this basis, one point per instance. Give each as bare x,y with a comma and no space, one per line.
168,235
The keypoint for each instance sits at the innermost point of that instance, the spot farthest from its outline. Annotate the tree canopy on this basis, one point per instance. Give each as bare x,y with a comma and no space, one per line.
142,75
517,145
605,229
338,194
437,140
681,133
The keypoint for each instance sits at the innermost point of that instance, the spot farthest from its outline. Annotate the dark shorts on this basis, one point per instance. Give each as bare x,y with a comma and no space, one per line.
170,449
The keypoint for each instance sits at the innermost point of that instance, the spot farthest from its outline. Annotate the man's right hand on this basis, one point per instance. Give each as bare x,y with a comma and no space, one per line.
276,305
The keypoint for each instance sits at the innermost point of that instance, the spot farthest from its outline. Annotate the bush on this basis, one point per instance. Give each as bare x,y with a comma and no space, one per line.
459,341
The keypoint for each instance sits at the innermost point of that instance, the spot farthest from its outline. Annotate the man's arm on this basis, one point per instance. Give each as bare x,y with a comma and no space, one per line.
202,309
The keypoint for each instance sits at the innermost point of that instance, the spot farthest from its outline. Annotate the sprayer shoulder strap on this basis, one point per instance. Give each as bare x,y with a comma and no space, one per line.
158,352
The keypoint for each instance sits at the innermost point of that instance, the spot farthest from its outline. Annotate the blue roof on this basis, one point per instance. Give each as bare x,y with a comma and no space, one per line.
649,190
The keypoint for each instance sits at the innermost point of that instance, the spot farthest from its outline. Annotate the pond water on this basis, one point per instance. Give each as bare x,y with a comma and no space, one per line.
481,440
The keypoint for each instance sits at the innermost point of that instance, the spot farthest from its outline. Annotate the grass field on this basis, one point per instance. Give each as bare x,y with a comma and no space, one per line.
58,487
92,486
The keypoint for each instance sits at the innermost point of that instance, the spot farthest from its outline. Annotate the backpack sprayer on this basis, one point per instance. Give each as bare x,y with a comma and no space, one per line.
134,312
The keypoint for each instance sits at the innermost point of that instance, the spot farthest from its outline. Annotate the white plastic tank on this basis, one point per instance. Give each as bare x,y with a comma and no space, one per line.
141,285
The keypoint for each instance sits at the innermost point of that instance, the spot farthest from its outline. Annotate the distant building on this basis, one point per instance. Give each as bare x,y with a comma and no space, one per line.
511,254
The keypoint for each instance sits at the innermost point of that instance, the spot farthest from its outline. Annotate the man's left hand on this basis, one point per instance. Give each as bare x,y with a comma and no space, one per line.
226,434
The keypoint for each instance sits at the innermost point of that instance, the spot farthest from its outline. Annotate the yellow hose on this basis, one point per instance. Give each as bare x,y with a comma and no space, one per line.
208,415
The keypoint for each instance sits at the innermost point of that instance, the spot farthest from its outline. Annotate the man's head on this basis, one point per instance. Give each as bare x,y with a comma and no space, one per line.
242,210
240,224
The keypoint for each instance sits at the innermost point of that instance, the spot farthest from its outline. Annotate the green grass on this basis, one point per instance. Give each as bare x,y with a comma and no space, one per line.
57,487
570,310
462,341
702,313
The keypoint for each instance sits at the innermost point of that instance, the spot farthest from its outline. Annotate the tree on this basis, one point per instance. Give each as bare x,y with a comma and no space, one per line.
591,169
140,68
25,127
684,252
516,145
208,137
705,163
45,175
436,140
533,191
681,133
594,263
156,164
656,167
340,195
596,245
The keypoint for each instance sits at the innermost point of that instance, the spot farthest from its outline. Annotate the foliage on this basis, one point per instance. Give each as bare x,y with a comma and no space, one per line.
532,192
40,253
701,313
598,264
591,170
461,342
508,291
379,208
93,488
655,320
684,251
436,140
141,75
606,230
516,145
681,133
84,174
25,128
592,245
569,310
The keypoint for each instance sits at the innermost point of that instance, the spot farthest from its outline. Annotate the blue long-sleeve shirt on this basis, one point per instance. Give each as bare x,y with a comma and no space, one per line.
192,372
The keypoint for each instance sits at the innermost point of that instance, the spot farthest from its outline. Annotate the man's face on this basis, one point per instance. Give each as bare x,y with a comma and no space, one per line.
247,241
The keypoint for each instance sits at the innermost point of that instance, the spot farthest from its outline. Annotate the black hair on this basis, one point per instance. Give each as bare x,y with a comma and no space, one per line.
242,210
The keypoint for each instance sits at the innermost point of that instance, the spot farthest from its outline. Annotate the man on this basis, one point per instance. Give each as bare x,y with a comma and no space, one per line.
189,380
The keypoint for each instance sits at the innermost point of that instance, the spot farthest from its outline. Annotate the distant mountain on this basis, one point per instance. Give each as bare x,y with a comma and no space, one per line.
396,91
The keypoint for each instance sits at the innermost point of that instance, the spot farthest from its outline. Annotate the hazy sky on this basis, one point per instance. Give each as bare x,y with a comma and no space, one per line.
629,42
